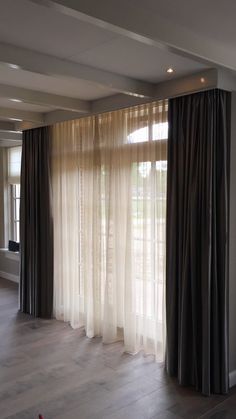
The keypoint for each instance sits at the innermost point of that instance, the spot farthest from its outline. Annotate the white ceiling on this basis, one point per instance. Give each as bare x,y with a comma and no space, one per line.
130,58
49,32
26,24
214,19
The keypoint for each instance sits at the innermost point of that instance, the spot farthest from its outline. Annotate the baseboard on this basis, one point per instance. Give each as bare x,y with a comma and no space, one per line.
232,378
10,277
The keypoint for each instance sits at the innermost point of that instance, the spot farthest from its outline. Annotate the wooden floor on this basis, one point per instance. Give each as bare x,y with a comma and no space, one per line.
46,367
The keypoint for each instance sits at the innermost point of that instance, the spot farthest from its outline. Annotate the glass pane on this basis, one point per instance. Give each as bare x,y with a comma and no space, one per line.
160,131
17,191
138,136
17,209
17,230
13,190
161,165
14,162
148,227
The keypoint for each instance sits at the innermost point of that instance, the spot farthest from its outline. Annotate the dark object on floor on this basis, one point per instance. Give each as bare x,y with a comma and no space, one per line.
13,246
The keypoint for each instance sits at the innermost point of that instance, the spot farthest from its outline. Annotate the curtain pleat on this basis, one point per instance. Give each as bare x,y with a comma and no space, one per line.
36,225
197,240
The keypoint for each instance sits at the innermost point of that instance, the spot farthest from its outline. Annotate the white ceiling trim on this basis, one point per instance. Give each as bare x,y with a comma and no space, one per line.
142,25
48,65
42,98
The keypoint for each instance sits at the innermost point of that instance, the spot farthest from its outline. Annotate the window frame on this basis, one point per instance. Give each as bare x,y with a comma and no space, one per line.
13,221
13,193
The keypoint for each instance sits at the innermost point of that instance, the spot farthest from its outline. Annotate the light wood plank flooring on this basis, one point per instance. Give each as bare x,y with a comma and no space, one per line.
48,368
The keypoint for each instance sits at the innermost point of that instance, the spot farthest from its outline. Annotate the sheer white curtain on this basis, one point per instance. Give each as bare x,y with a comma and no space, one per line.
109,188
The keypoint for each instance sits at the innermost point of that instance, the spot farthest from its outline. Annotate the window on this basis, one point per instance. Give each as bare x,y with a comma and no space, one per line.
15,212
14,166
109,196
149,178
148,223
144,150
159,132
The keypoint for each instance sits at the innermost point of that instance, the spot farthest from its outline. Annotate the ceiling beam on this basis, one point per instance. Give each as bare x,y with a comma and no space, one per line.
8,113
200,81
143,25
10,135
7,126
197,82
42,98
10,138
60,116
10,143
226,80
36,62
203,80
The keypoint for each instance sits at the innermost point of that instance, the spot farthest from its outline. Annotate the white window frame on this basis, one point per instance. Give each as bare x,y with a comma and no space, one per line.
13,221
13,180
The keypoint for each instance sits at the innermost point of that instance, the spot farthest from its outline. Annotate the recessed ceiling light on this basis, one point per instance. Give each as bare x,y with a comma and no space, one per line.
16,119
135,94
13,66
202,80
16,100
13,131
170,70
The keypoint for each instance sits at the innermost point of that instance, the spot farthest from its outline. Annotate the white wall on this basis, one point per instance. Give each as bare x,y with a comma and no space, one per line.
9,265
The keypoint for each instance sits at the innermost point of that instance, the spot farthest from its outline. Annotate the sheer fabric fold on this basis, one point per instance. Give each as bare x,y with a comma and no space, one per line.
109,192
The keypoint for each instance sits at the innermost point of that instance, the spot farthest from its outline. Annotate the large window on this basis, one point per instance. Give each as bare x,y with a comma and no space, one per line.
147,217
14,166
109,192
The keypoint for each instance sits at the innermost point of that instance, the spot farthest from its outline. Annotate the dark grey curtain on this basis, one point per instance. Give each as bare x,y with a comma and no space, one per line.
197,240
36,225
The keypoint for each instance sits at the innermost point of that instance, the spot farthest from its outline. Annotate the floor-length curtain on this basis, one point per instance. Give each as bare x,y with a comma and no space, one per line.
109,204
36,225
197,240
